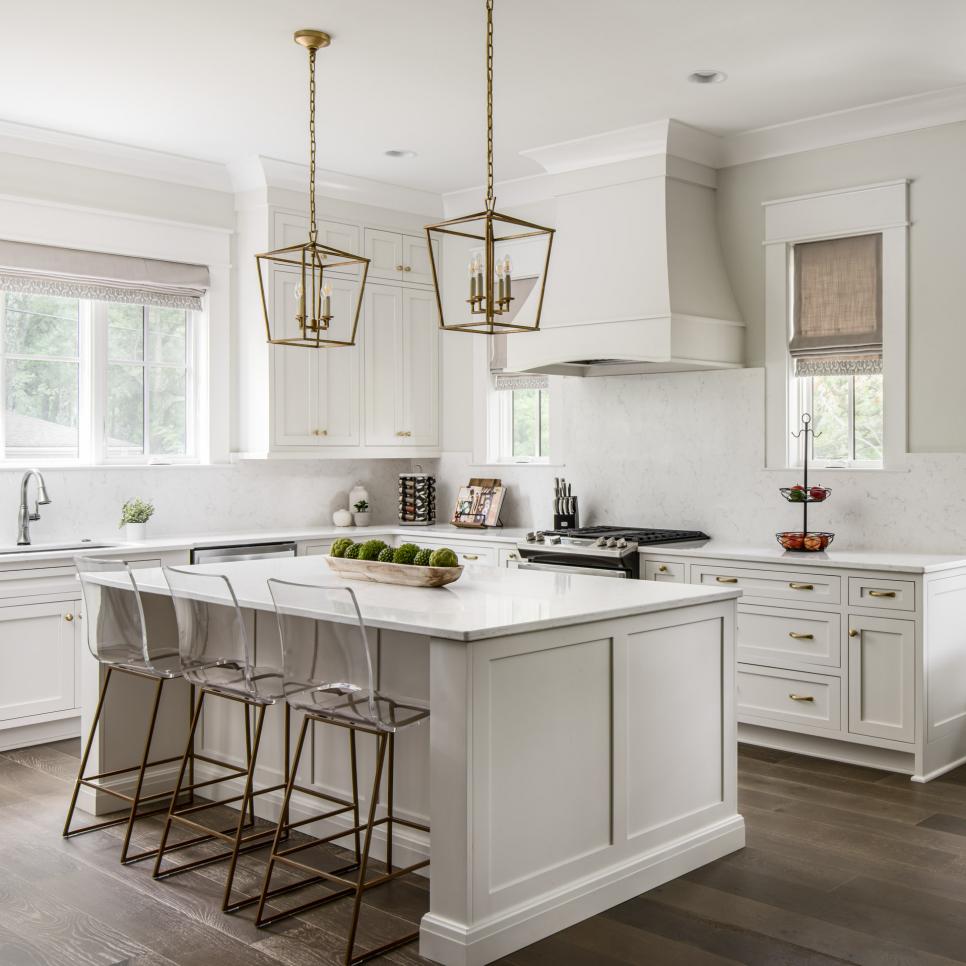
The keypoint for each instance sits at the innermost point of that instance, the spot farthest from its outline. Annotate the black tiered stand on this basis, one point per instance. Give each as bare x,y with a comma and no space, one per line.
806,497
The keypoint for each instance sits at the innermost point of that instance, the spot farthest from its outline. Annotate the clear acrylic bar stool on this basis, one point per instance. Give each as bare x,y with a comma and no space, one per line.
217,657
118,638
328,671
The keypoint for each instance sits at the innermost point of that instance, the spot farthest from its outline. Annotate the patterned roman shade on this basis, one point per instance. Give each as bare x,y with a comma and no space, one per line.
73,273
837,306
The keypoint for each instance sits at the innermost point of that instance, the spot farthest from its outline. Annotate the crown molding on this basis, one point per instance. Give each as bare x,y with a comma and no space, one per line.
59,146
897,116
260,172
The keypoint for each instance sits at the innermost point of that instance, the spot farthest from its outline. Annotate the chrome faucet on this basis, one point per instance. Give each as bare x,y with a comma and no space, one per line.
25,518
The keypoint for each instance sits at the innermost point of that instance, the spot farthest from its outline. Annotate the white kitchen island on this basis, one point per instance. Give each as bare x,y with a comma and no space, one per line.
581,747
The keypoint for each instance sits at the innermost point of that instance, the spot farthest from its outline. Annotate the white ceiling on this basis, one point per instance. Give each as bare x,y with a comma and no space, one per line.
221,80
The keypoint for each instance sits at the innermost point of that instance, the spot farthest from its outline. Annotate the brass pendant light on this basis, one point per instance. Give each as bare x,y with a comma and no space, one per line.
494,303
327,305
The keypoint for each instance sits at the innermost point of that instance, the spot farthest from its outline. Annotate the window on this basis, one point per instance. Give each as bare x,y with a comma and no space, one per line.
836,348
521,419
96,382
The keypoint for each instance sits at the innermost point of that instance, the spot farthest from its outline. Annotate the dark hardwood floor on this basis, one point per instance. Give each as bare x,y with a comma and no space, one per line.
843,865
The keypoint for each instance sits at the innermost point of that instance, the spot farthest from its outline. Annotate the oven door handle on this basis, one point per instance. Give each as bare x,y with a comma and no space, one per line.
564,569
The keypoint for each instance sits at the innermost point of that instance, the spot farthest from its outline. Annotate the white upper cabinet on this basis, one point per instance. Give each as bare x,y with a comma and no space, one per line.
398,257
316,391
292,228
401,367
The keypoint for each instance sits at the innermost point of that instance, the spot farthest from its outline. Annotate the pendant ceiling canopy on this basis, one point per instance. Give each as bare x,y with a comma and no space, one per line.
507,258
329,283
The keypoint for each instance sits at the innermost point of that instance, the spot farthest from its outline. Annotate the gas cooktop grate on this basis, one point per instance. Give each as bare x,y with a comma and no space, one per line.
639,535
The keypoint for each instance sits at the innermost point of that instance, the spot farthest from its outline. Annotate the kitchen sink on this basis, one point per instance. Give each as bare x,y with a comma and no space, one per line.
54,547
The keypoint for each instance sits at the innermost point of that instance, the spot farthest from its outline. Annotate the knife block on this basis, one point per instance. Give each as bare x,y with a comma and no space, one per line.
567,521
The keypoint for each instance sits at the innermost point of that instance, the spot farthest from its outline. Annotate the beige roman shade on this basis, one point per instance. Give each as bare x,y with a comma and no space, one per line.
837,306
73,273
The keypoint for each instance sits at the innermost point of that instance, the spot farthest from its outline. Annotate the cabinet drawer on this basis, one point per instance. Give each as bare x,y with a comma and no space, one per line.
885,594
800,698
665,570
470,554
778,637
315,549
783,584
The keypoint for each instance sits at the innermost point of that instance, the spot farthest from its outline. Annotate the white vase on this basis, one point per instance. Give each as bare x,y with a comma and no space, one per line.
135,531
361,519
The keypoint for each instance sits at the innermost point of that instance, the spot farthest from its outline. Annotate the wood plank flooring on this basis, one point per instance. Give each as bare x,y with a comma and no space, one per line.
843,865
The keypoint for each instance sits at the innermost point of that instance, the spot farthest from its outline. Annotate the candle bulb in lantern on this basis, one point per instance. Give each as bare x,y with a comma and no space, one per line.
300,304
506,278
472,273
499,281
480,290
327,300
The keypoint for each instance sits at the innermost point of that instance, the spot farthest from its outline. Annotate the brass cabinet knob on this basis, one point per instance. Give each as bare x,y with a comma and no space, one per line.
662,569
399,268
795,586
853,632
882,593
801,697
408,268
797,636
727,580
68,617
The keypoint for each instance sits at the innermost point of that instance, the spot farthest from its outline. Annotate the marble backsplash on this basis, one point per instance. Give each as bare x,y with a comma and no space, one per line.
249,496
687,450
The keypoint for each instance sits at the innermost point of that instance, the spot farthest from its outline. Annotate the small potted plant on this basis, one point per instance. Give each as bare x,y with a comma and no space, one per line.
360,513
134,518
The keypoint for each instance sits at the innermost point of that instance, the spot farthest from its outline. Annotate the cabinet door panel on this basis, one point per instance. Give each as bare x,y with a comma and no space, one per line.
383,359
385,253
291,228
38,646
296,397
415,260
338,375
420,371
882,671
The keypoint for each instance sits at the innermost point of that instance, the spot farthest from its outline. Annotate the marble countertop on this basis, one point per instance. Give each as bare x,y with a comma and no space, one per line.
485,602
43,553
900,562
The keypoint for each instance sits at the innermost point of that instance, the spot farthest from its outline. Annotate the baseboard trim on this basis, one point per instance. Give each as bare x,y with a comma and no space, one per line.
456,944
40,732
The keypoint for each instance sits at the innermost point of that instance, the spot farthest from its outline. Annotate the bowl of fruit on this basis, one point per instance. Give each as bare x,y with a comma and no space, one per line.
407,564
812,542
815,493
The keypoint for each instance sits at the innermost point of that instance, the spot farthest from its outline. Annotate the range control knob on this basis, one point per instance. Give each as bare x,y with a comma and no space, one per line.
600,542
621,544
611,542
553,539
531,537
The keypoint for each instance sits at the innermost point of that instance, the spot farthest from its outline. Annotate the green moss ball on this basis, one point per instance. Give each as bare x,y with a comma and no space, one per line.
422,558
444,557
405,553
352,553
371,549
340,546
385,556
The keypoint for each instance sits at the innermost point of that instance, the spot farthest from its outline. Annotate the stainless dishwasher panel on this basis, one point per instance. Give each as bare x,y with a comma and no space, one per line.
251,551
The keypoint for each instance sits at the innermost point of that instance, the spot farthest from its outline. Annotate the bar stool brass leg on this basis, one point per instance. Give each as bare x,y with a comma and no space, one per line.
381,743
248,802
355,794
191,760
392,758
248,761
177,787
140,780
87,750
289,787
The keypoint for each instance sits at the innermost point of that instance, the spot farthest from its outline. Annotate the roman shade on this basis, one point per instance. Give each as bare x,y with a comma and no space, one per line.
508,381
74,273
837,306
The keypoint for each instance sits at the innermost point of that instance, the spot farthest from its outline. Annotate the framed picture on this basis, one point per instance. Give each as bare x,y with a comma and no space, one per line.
478,504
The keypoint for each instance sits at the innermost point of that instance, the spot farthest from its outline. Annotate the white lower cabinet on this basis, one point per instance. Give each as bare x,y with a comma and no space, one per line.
38,653
793,697
882,677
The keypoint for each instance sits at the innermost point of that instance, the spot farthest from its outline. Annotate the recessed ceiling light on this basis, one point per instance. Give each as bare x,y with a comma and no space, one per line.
707,77
400,153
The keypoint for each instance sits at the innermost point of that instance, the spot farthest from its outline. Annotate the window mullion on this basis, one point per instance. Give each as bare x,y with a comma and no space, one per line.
145,390
88,384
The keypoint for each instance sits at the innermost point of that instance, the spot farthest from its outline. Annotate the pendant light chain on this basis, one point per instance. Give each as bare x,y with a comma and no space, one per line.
490,199
313,230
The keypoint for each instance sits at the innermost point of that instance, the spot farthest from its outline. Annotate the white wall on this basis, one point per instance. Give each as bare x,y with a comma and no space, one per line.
687,450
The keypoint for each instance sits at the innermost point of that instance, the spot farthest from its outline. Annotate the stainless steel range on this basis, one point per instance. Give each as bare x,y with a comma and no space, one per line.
603,551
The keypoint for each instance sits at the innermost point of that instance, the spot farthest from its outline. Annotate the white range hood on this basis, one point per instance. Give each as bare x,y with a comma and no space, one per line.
637,280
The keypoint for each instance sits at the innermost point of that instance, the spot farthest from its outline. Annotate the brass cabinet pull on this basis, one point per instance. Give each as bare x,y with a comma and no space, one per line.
399,268
801,697
797,636
320,432
882,593
408,268
795,586
727,580
68,617
662,569
471,556
404,432
853,632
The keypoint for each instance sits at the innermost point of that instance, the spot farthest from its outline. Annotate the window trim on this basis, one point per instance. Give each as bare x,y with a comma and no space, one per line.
92,397
876,208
